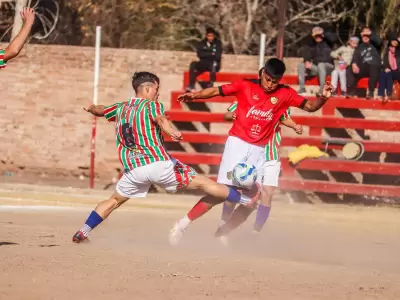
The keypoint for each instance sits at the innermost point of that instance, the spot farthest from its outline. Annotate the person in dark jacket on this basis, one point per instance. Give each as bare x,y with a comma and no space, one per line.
366,63
209,51
391,69
317,60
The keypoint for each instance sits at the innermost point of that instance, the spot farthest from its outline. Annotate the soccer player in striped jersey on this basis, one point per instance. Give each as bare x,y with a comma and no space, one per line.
139,123
272,158
13,49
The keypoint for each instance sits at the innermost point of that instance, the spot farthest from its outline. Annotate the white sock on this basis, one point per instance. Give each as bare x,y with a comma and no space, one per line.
85,230
184,222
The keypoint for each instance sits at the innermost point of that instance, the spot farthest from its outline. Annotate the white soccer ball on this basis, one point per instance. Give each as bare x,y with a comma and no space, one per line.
244,175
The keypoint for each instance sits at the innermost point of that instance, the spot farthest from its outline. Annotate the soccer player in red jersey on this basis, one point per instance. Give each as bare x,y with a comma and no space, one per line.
13,49
260,106
239,215
139,123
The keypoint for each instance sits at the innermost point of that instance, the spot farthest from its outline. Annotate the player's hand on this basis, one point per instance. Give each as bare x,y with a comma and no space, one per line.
88,109
233,116
28,15
186,97
387,70
308,65
298,129
327,91
176,136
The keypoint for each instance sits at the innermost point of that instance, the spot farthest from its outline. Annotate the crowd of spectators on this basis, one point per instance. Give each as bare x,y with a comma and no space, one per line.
359,58
323,56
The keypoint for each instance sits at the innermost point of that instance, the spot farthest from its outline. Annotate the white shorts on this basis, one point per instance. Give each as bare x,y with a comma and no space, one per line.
171,175
272,169
237,151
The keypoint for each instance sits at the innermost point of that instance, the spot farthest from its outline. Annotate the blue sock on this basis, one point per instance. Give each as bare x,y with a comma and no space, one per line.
92,221
227,210
262,216
234,195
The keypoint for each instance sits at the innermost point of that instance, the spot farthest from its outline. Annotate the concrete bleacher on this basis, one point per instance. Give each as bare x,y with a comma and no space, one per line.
292,176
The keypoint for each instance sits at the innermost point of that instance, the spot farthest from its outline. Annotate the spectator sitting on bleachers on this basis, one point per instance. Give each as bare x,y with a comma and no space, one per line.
366,63
343,56
391,69
209,52
317,59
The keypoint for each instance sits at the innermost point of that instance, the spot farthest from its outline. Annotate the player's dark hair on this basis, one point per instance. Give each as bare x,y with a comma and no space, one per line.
142,77
274,67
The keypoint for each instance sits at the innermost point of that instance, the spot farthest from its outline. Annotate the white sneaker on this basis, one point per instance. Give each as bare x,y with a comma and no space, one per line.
223,239
176,234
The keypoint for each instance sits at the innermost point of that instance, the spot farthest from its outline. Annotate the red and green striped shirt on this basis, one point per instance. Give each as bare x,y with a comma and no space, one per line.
272,148
2,61
139,139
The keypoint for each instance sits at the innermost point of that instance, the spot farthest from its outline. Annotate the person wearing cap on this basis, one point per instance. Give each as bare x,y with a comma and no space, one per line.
366,63
209,51
343,56
391,69
260,106
317,60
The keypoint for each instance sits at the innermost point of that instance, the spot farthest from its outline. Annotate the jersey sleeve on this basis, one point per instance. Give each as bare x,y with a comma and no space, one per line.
232,107
2,62
231,89
286,115
110,111
295,99
156,109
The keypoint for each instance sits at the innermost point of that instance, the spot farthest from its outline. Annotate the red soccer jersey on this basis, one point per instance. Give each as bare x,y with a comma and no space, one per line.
258,112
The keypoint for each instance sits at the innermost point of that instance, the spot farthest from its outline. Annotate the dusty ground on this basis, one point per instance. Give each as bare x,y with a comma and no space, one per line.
305,252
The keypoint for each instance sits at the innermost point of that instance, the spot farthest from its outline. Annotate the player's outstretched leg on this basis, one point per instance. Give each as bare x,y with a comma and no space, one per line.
217,193
98,215
240,215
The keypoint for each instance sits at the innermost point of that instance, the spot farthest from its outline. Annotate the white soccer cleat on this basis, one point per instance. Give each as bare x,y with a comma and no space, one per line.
176,234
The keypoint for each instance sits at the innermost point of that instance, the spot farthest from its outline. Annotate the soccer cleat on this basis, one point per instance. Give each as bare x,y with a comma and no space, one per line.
251,196
176,234
223,239
79,237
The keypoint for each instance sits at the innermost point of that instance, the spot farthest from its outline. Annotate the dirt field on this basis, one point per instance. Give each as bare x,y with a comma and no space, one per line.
305,252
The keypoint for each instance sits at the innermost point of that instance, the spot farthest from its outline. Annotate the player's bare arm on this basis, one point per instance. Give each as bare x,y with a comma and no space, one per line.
166,127
204,94
312,106
229,116
14,48
292,124
96,110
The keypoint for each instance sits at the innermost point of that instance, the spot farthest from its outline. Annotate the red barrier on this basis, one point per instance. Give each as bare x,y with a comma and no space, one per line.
295,184
308,164
312,121
292,141
287,79
334,102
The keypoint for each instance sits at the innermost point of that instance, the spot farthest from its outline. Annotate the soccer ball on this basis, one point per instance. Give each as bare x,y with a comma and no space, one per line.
244,175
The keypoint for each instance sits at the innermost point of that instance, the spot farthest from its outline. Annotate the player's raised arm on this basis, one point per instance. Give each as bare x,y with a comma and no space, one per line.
13,49
203,94
312,105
